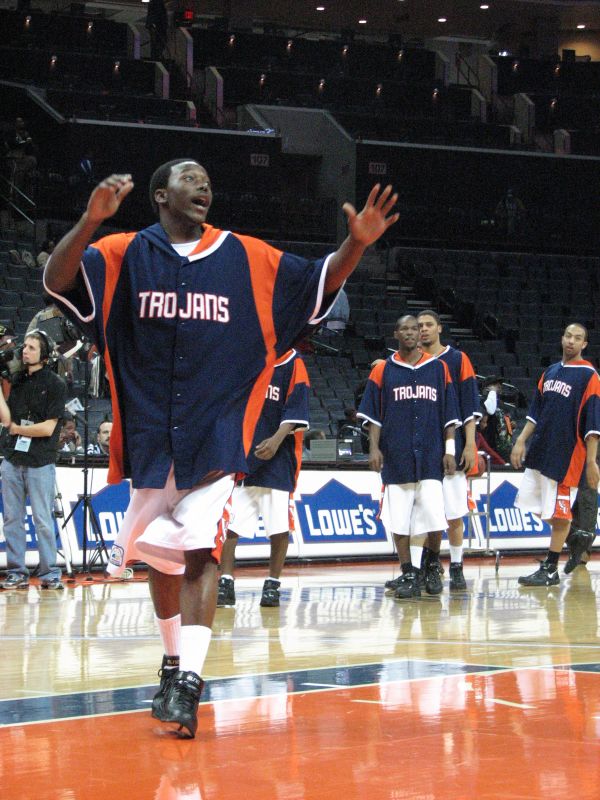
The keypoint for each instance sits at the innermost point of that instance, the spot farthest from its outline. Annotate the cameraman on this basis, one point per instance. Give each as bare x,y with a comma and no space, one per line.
28,444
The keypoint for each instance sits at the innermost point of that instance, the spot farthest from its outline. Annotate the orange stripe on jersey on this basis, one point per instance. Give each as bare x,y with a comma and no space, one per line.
210,235
540,385
299,375
466,368
577,461
116,456
113,249
448,377
263,262
376,374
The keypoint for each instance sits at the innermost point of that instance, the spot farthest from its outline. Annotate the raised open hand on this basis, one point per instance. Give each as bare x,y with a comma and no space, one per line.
108,196
369,224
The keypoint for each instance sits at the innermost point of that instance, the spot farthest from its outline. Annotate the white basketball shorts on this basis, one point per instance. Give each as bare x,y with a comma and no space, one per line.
413,508
161,524
456,495
248,503
544,497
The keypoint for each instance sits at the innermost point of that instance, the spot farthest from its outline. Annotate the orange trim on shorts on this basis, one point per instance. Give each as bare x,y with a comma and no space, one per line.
562,506
471,504
223,526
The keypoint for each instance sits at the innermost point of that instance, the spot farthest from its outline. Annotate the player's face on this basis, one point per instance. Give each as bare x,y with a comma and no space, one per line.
188,195
573,342
407,333
429,331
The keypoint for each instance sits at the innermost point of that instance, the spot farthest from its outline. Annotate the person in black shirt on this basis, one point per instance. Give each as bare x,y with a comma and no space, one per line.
28,443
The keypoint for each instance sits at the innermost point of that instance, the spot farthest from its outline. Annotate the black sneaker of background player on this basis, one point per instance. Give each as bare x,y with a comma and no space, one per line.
457,578
408,586
433,578
166,673
270,594
226,592
546,575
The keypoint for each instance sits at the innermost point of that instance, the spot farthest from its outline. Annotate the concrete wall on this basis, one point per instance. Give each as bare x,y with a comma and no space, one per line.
314,132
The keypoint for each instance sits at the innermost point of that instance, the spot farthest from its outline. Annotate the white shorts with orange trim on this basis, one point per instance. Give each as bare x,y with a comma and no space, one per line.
456,495
413,508
544,497
161,524
248,503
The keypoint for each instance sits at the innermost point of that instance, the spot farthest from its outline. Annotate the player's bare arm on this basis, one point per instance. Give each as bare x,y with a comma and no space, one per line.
365,228
469,454
517,455
38,430
62,268
592,472
449,460
375,454
266,449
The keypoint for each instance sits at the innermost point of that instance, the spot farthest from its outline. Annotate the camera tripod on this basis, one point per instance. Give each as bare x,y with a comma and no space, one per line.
92,537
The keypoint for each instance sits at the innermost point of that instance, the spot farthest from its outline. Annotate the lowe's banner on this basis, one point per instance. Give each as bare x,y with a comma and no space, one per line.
335,515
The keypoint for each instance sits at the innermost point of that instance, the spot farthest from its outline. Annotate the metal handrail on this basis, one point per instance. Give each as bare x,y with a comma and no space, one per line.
7,193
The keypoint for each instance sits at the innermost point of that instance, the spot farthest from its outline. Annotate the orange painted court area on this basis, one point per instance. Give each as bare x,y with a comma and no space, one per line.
521,733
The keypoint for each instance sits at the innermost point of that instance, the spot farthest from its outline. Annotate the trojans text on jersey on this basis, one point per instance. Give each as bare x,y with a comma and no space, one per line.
195,305
415,393
557,386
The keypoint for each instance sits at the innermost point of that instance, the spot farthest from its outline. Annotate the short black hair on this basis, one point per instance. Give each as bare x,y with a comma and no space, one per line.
429,312
578,325
160,178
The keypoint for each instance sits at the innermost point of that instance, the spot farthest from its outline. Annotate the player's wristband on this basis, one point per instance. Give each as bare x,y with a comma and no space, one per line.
450,447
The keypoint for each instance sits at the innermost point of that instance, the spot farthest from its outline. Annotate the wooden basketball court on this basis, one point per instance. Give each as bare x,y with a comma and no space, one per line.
342,692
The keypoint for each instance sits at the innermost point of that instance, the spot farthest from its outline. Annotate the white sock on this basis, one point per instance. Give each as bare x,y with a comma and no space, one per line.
195,640
276,580
169,634
456,554
415,555
229,577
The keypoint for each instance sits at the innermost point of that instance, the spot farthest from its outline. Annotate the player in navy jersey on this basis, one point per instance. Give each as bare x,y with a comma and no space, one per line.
455,486
563,425
190,320
274,464
411,410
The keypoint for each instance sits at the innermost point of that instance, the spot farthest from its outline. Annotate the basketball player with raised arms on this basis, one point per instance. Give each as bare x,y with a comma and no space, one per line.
267,492
564,425
190,320
410,407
